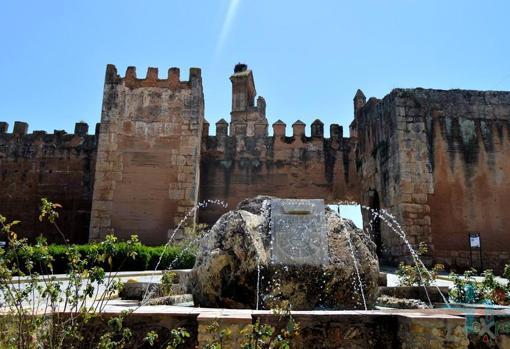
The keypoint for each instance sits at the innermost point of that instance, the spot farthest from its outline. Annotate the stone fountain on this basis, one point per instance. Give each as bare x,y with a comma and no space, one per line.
270,250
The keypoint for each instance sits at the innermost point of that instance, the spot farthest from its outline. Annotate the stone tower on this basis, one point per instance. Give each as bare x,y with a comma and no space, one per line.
247,119
147,172
359,102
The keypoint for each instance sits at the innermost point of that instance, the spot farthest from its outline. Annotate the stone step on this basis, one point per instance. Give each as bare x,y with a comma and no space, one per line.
416,292
171,300
185,304
136,290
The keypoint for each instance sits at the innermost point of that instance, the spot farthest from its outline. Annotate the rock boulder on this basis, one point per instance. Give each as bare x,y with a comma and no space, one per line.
234,260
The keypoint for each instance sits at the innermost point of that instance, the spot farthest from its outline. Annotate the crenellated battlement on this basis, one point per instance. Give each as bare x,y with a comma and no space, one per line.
58,166
279,131
303,164
287,151
40,143
20,128
172,81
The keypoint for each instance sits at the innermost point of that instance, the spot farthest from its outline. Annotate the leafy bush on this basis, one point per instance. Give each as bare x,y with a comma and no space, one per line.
489,291
416,274
259,335
145,257
45,312
167,282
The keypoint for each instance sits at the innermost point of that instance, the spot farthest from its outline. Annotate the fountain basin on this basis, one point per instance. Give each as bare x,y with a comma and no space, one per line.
381,329
236,265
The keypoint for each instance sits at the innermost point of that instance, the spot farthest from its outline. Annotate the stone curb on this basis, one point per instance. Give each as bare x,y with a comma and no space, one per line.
123,274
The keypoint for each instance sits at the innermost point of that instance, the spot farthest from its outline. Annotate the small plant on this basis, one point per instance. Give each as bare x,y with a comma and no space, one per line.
464,288
41,311
490,291
506,272
259,335
151,337
72,305
118,335
167,282
416,274
265,336
219,336
178,336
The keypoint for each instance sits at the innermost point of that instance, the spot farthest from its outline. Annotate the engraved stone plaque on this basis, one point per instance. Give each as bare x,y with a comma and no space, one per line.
298,232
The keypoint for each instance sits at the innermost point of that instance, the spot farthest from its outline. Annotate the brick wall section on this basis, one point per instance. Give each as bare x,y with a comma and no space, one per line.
375,131
441,332
468,137
236,167
247,162
56,166
444,174
346,329
426,329
147,173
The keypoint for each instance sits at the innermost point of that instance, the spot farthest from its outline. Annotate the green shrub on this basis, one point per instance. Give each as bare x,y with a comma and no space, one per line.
146,257
167,282
51,313
175,257
416,274
466,289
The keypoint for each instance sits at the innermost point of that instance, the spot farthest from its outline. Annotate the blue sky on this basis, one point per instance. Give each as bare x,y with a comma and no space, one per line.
309,57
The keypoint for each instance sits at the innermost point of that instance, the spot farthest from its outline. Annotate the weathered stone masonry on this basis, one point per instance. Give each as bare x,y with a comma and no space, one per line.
147,172
247,162
438,160
58,166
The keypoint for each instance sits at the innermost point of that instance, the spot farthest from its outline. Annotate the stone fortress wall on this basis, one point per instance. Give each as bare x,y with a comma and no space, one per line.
247,162
147,173
297,166
464,153
438,160
58,166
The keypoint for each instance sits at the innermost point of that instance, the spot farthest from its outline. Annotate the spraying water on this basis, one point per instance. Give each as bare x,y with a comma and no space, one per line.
266,212
395,227
258,285
356,267
203,204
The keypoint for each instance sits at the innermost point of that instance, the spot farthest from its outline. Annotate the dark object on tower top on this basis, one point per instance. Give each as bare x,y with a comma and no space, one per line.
240,67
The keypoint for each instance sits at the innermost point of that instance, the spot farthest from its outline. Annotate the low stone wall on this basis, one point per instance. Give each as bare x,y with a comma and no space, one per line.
417,331
318,329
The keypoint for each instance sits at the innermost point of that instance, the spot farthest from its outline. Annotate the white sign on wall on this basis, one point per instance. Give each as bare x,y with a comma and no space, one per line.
474,240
